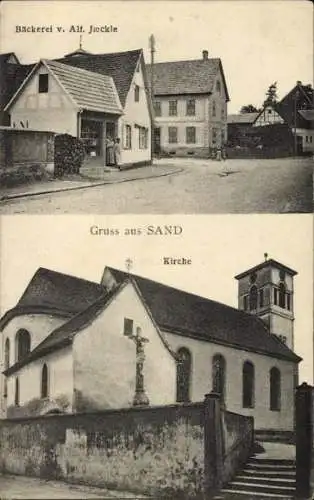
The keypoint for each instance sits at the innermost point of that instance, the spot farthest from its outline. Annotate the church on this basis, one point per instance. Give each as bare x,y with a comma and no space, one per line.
73,345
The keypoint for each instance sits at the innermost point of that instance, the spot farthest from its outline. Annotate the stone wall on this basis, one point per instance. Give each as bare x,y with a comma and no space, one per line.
173,451
24,148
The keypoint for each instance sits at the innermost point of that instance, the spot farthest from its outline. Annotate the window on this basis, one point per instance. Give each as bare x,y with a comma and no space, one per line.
248,385
190,135
17,392
214,136
172,135
157,108
219,374
253,298
136,93
7,354
143,137
275,296
44,381
183,375
261,298
282,295
275,389
22,344
288,301
214,108
43,83
128,327
218,86
127,137
245,302
190,107
222,113
173,108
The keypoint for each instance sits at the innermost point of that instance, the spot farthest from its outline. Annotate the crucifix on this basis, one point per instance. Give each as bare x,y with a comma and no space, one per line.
81,38
128,264
140,397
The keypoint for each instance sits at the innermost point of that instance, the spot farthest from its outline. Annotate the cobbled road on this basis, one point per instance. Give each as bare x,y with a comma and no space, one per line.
250,186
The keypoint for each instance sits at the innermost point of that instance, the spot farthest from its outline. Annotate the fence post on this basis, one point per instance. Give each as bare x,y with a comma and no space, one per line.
213,444
304,439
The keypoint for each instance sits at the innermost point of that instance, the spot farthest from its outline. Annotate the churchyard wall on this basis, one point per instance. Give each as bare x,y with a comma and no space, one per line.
173,451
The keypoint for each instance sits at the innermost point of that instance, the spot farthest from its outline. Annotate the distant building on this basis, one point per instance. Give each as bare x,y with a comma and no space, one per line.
69,344
190,103
295,112
90,96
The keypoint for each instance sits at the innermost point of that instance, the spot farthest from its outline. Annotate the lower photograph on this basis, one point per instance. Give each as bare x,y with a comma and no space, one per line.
157,357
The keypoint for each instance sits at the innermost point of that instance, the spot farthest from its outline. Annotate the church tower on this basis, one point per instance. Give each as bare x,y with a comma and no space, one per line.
267,291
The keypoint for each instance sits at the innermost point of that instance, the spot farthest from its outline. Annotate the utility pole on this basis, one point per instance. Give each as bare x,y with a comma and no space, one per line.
152,42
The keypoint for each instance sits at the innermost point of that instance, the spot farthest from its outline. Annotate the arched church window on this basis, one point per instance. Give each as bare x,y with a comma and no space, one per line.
44,381
248,380
219,375
282,295
23,344
17,392
183,375
253,298
7,354
275,389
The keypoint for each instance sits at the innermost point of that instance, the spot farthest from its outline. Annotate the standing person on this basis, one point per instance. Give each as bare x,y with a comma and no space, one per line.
109,151
117,152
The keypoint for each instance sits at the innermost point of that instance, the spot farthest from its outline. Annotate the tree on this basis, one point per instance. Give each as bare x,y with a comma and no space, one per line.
271,94
249,108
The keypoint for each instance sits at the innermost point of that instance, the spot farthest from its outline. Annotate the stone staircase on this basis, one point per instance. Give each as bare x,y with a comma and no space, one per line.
263,478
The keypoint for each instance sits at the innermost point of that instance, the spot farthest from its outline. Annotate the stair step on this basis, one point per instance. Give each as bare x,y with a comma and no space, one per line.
269,473
239,485
271,481
269,467
271,461
252,493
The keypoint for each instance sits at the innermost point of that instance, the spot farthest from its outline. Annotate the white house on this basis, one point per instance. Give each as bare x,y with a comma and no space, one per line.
78,345
90,96
190,102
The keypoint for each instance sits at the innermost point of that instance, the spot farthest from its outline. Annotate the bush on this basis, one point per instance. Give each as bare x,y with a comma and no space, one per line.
69,155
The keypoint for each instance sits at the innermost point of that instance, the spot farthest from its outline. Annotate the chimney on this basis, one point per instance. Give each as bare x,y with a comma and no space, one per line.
205,55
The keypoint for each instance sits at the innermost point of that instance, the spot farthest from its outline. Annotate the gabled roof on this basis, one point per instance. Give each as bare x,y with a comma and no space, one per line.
51,289
190,315
242,118
86,89
186,77
121,66
5,58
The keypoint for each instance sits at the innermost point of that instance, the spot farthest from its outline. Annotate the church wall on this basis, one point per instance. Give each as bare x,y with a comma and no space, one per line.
201,380
53,110
105,357
60,378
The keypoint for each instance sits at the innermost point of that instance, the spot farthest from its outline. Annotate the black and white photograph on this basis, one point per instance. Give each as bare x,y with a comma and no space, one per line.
177,370
156,107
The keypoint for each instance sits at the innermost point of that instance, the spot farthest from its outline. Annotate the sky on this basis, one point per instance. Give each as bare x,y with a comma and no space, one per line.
220,247
259,42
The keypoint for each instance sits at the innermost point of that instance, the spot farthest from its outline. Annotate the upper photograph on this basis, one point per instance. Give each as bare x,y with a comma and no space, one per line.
156,107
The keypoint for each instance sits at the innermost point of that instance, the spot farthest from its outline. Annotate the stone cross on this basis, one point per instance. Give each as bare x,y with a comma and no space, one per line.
140,397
